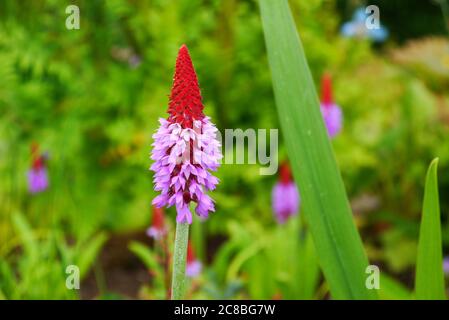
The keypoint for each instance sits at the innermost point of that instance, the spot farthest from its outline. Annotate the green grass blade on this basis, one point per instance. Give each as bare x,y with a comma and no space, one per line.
337,242
391,289
429,282
89,253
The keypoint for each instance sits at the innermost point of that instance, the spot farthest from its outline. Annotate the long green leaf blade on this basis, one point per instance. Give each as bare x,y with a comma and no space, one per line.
337,242
391,289
429,282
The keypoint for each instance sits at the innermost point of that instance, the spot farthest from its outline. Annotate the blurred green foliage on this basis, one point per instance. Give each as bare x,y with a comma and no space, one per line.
91,97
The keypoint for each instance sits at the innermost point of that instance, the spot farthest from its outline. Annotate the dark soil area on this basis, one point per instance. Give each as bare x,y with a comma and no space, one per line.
118,272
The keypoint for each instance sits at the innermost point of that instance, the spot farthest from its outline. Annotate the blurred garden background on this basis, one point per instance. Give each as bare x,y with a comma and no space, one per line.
88,100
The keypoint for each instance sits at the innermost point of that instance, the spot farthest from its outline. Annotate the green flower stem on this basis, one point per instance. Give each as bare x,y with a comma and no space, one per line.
179,261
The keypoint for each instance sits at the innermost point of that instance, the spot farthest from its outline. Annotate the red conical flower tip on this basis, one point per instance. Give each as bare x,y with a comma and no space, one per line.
158,218
37,160
285,173
326,89
190,253
193,266
157,229
185,99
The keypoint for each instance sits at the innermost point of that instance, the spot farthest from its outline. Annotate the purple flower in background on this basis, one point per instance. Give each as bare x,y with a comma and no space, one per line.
285,196
332,115
185,148
37,180
193,265
37,175
157,229
446,265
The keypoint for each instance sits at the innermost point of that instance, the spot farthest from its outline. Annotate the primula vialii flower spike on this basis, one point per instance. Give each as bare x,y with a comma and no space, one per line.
285,196
157,229
193,265
37,175
332,114
185,148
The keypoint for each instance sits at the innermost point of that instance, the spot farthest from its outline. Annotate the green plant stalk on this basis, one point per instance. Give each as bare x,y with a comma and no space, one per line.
179,261
429,282
326,207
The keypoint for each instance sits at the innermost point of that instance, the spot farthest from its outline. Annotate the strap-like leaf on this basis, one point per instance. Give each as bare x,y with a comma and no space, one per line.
337,242
429,282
